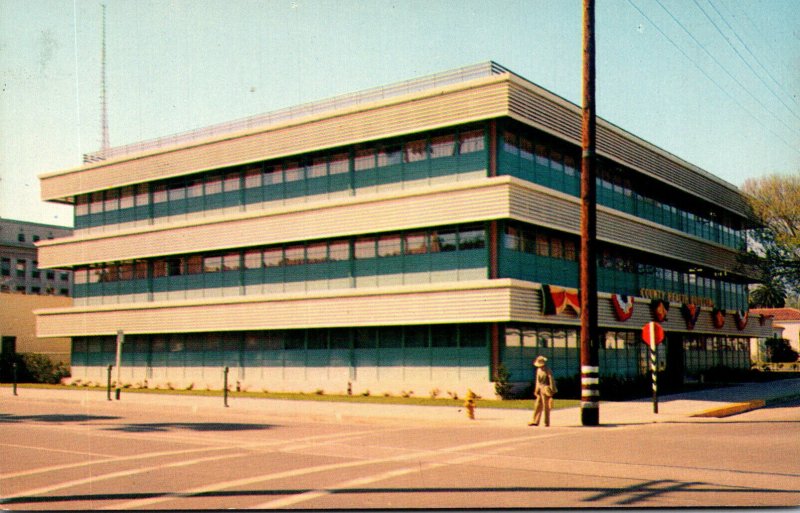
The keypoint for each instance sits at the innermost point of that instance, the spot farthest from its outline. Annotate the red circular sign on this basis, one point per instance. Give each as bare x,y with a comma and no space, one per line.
652,330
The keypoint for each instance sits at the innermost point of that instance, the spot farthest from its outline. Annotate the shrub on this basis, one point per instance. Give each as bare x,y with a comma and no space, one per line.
779,351
38,368
501,385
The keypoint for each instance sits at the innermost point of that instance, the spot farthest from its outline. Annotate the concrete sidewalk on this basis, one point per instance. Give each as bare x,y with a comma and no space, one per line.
685,407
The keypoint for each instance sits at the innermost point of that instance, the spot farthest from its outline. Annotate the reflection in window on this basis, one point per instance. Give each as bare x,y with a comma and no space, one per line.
472,238
471,141
365,248
213,184
390,156
416,244
295,255
389,245
443,146
212,264
443,240
414,151
293,172
273,257
339,251
364,159
339,164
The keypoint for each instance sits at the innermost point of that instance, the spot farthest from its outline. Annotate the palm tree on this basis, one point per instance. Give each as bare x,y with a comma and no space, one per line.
771,294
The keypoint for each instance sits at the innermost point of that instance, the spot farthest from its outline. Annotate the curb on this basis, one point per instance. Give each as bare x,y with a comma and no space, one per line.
731,409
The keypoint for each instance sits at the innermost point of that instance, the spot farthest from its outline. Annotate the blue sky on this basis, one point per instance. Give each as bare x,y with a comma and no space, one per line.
665,72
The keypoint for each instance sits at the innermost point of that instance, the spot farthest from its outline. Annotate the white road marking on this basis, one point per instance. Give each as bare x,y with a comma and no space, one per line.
245,446
47,449
214,487
114,475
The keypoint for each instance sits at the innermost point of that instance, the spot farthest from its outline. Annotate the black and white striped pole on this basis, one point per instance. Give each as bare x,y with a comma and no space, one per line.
653,334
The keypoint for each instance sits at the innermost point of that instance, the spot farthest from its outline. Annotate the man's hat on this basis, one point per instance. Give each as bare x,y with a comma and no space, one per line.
540,361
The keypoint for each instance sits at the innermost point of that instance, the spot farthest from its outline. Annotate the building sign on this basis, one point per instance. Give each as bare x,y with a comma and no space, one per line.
676,297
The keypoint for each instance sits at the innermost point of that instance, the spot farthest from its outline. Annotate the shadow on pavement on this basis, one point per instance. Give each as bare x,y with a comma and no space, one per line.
54,417
637,494
151,427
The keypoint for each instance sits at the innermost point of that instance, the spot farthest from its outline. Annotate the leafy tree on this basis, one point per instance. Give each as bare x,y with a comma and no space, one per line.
779,350
775,203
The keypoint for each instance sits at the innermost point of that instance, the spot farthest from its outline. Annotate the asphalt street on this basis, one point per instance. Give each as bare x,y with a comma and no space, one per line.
61,452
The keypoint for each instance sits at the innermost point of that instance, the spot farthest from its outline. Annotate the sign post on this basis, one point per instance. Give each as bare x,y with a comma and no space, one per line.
653,334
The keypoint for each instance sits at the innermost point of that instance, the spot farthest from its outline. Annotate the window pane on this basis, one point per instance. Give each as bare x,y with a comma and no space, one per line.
556,248
273,175
443,240
252,177
112,200
389,245
213,184
176,191
416,243
81,205
471,141
569,251
159,193
252,259
231,262
212,264
81,276
339,250
194,264
542,247
159,268
365,248
510,143
542,155
525,148
365,159
339,164
126,197
126,271
293,172
389,156
414,151
295,255
175,266
443,146
141,269
142,194
318,168
471,238
233,181
194,187
96,204
317,253
273,257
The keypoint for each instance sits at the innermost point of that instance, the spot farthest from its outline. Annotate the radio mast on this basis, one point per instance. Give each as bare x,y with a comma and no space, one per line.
104,145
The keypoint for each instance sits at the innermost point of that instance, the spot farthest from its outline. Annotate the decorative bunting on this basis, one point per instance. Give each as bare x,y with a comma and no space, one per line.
691,312
660,308
741,317
718,317
623,306
556,299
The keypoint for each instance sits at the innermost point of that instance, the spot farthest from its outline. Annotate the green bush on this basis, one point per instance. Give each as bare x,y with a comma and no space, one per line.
501,385
38,368
779,350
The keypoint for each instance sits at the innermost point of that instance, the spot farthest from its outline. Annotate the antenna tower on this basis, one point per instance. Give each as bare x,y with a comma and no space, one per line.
104,146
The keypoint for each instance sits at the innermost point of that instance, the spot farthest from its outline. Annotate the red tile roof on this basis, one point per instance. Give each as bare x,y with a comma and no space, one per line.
780,314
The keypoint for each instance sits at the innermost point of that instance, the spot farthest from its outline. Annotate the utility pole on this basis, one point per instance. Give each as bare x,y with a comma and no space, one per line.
590,370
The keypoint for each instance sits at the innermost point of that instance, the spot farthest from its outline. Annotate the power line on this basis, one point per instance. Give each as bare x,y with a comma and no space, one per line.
702,47
741,57
746,47
710,78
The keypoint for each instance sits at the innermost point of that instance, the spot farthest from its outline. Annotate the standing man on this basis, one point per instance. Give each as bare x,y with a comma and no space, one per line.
543,392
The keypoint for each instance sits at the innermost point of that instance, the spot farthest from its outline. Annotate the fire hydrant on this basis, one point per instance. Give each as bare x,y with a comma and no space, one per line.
469,404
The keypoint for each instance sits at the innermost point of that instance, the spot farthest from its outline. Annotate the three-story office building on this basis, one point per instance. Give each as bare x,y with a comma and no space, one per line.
412,237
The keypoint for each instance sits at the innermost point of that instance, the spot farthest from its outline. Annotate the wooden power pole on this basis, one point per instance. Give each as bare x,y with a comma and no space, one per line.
590,370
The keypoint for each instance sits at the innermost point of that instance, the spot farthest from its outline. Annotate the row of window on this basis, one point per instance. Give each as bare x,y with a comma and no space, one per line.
22,289
417,242
619,269
21,268
236,181
547,161
386,337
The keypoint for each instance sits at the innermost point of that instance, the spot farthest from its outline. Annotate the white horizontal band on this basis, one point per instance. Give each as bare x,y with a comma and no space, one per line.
590,405
590,381
586,369
588,393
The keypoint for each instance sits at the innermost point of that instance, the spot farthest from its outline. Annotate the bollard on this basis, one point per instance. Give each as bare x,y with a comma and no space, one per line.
225,387
14,367
108,383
